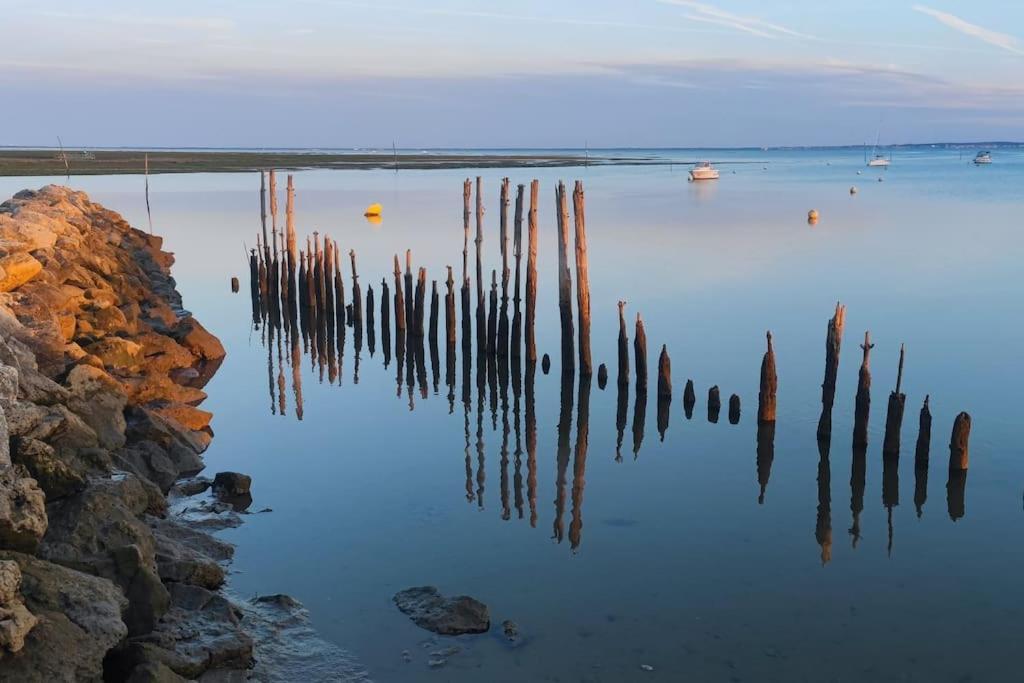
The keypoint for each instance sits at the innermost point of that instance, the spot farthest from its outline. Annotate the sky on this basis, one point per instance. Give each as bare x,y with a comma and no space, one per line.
533,73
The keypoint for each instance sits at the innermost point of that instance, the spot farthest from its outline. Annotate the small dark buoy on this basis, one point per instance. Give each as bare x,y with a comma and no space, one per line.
545,364
234,285
734,409
602,376
714,404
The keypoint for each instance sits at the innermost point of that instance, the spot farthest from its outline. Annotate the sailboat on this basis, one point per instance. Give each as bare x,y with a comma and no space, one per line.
877,159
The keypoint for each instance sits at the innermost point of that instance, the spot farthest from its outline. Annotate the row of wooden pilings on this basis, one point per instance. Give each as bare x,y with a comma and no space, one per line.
293,284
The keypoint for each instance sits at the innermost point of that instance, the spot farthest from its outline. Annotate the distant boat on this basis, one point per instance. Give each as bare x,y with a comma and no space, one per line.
877,159
983,158
704,171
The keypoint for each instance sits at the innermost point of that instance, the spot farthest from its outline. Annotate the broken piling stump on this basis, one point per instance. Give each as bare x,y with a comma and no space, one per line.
734,409
769,385
714,404
894,415
959,455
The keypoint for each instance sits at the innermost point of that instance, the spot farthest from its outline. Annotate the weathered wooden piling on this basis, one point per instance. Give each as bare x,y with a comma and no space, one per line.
959,452
263,210
714,404
894,415
689,399
289,217
371,335
531,274
924,436
492,317
769,385
664,372
399,302
273,209
622,378
433,311
564,280
640,354
582,279
449,310
385,321
481,316
357,299
517,250
833,344
410,295
339,291
420,303
734,409
602,376
503,332
862,402
234,285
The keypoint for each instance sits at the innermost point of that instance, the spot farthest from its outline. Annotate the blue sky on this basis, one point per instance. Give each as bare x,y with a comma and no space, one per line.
326,73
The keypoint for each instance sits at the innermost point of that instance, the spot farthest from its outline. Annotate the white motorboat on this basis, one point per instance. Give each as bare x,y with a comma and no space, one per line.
879,160
983,158
704,171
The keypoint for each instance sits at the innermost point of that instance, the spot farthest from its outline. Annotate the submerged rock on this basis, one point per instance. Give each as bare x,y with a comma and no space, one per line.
446,616
232,483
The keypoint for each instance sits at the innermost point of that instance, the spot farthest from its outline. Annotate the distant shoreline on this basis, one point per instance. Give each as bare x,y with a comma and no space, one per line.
49,162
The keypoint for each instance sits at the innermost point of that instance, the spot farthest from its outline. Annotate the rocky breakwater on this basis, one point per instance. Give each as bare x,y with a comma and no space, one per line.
101,373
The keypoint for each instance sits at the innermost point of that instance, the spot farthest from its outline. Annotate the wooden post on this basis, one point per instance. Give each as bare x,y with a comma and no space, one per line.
289,217
582,278
734,409
449,310
481,316
623,372
833,344
714,404
420,303
689,399
357,299
924,436
433,309
517,248
959,455
492,318
862,405
385,321
339,289
371,335
263,212
399,302
531,274
273,209
410,295
564,280
894,415
467,193
769,385
234,285
664,372
640,355
502,346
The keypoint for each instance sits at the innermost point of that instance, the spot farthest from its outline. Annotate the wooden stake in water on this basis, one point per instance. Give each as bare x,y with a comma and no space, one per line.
502,344
862,402
623,373
449,310
833,344
399,302
517,248
481,316
640,354
894,415
959,451
769,385
531,274
263,209
582,279
664,373
924,436
273,209
564,280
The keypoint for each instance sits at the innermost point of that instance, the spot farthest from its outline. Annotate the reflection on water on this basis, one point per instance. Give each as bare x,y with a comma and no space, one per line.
317,323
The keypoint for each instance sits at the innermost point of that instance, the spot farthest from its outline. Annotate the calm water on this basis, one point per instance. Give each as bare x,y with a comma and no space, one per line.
671,557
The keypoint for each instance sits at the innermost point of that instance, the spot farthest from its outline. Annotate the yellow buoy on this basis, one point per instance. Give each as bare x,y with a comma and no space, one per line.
812,215
373,210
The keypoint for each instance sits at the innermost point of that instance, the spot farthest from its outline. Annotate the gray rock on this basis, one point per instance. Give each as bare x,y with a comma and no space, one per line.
100,401
446,616
79,621
23,519
190,487
232,483
5,442
55,477
182,562
8,385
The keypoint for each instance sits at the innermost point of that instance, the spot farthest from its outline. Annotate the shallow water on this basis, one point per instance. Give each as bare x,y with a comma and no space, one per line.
672,558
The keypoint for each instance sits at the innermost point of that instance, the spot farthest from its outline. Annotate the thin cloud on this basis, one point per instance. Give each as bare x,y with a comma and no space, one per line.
1001,40
710,14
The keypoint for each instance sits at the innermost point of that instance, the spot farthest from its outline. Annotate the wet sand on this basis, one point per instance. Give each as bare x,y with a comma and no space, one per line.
48,162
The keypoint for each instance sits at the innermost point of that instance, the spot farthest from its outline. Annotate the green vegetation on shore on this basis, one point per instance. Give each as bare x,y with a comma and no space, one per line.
50,162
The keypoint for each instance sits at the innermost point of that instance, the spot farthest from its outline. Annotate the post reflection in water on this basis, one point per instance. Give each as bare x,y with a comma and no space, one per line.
311,317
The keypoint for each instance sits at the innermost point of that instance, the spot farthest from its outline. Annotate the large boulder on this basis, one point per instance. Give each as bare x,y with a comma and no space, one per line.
55,477
79,621
446,616
15,619
16,269
100,401
23,519
198,340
